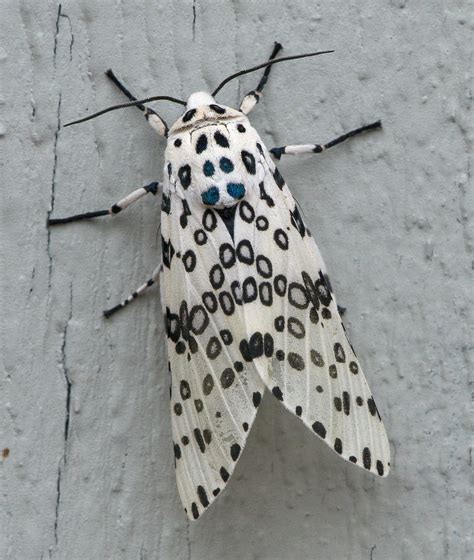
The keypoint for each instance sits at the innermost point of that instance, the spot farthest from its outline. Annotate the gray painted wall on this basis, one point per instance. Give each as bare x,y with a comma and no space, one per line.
84,403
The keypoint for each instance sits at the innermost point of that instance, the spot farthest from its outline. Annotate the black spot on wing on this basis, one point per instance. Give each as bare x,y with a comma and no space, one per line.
346,403
281,239
199,439
207,385
265,196
165,204
167,251
246,212
227,378
235,451
296,361
319,428
209,220
248,160
277,392
278,179
195,510
202,496
224,474
189,260
184,390
297,221
366,458
183,219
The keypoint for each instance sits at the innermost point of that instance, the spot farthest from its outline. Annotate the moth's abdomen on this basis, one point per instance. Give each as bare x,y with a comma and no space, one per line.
216,163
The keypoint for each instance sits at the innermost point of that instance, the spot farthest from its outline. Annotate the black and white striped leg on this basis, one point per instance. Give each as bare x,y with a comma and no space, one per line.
138,292
153,118
318,148
253,97
114,209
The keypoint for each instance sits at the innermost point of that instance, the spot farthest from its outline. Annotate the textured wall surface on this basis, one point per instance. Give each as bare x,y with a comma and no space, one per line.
87,469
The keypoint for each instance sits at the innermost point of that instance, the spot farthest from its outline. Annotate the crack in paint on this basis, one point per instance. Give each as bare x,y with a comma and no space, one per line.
56,35
63,462
71,42
194,19
53,186
55,154
55,48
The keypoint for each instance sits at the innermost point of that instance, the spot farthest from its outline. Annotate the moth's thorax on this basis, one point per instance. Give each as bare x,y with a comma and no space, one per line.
214,157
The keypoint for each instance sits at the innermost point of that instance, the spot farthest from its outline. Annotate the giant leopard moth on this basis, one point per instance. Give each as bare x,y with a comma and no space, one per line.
246,297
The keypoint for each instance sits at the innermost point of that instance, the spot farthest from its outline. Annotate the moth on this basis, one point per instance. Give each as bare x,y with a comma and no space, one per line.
246,297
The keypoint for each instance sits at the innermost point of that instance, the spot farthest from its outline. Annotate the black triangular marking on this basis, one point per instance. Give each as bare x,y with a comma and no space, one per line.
228,217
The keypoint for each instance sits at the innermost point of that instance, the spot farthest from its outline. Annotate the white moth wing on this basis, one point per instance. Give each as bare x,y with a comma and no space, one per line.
214,393
314,370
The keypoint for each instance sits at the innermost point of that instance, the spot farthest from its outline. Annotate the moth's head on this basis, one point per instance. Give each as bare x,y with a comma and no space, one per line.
199,98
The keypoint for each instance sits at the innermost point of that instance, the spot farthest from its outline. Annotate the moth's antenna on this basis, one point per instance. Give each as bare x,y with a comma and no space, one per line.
269,63
129,104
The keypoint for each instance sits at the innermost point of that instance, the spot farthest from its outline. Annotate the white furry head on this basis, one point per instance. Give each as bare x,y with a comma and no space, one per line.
199,98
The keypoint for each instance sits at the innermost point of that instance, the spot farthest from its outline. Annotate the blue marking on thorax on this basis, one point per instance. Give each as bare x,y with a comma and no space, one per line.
208,168
226,165
211,196
236,190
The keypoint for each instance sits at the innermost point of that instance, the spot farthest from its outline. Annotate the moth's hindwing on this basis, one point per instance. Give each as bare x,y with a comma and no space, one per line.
248,305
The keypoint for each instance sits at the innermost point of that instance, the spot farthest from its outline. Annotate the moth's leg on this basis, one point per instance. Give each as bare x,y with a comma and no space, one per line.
138,292
318,148
153,118
253,97
114,209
